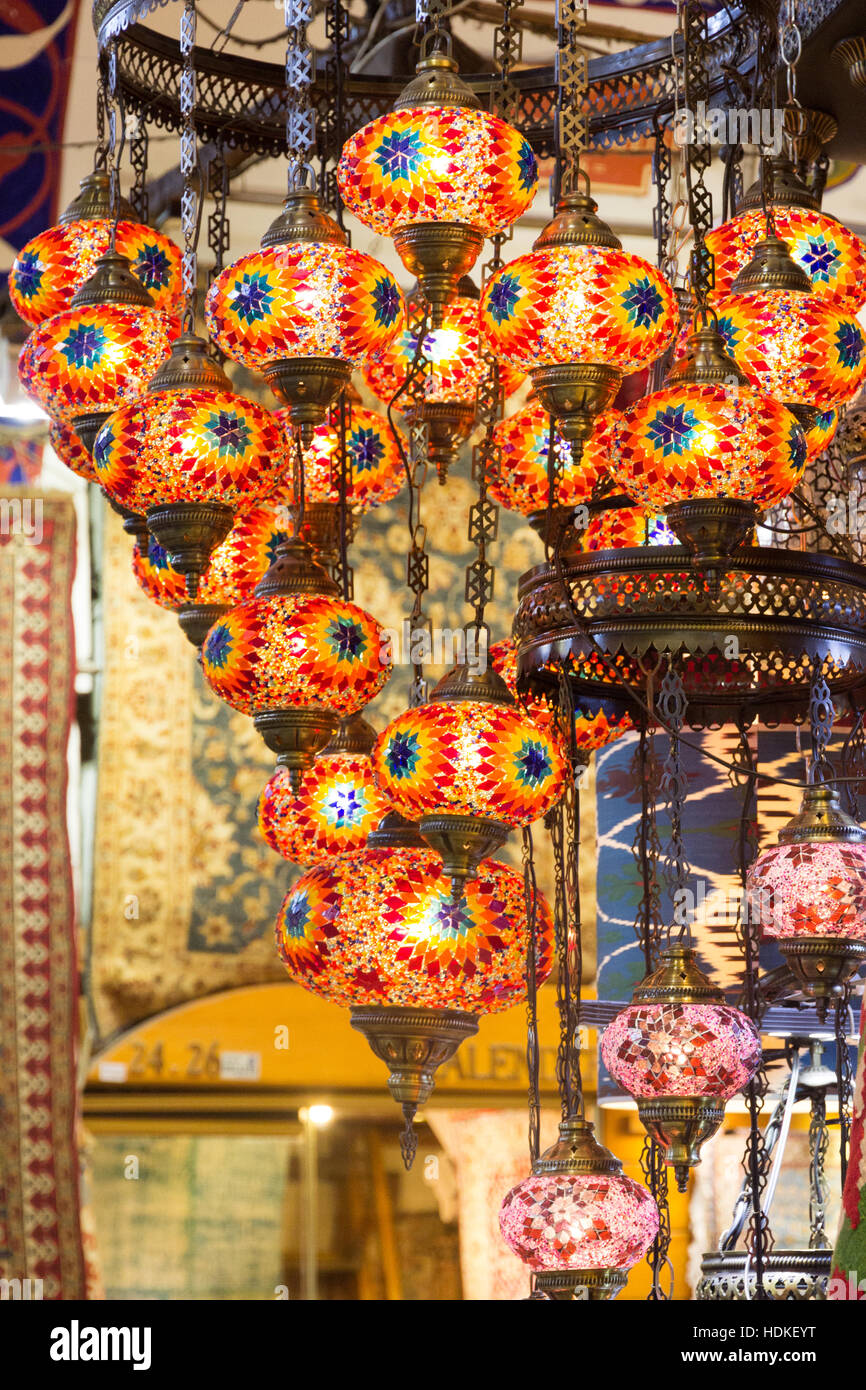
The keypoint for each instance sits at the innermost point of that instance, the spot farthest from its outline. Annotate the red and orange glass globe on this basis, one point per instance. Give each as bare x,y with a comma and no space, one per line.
809,894
336,807
577,1222
472,765
437,174
578,313
681,1052
56,263
523,441
626,528
89,359
235,567
70,450
375,471
296,657
304,310
831,255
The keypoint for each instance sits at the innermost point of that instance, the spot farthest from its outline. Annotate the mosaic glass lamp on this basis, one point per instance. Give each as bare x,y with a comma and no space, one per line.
304,310
188,454
84,362
577,1222
70,450
592,729
437,174
296,657
471,765
336,806
809,893
681,1051
380,932
832,256
578,313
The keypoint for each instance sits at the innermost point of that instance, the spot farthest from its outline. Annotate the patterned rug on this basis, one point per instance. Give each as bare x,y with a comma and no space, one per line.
40,1236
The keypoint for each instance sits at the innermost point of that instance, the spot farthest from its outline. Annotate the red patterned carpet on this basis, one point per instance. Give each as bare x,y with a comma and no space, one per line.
40,1236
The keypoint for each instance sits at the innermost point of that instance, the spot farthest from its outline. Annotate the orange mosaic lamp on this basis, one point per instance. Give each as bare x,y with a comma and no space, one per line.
378,931
820,432
472,765
296,657
578,313
84,362
793,345
437,174
453,352
337,805
304,310
592,728
523,441
188,454
709,457
831,255
56,263
70,450
626,528
375,472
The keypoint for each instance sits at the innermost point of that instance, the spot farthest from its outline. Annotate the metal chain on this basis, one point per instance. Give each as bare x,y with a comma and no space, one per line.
563,823
646,846
138,152
695,40
218,232
844,1074
533,1051
655,1172
672,705
337,31
343,572
790,48
571,123
188,162
113,141
100,156
819,1144
300,111
758,1153
854,764
821,716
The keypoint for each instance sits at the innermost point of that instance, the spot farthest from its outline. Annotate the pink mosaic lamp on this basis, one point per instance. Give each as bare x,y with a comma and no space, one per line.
577,1221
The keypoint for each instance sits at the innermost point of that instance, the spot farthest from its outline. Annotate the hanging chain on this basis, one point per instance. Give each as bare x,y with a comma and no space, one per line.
100,156
571,124
218,222
790,49
300,111
646,847
819,1145
672,704
693,24
533,1051
343,573
854,764
821,716
337,31
655,1172
844,1074
758,1152
563,822
188,162
114,143
138,153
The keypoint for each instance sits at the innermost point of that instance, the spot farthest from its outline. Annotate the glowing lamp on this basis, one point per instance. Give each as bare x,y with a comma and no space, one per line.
472,765
592,730
304,310
296,657
577,1222
437,174
681,1051
84,362
523,441
70,450
578,313
809,893
336,806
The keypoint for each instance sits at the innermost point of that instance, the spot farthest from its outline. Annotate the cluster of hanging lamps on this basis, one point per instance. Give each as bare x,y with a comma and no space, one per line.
577,1222
187,454
304,310
51,267
578,313
681,1052
335,807
450,368
830,254
378,931
809,894
470,765
437,174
